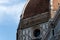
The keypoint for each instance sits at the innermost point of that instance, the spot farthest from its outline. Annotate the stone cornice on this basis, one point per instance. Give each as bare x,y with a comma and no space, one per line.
37,19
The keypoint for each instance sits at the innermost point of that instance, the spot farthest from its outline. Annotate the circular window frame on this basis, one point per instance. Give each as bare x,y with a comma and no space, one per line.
36,32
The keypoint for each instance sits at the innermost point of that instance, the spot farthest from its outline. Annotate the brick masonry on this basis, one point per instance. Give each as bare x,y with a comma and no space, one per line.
35,7
55,4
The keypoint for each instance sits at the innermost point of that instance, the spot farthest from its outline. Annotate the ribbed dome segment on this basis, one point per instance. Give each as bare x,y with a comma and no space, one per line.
35,7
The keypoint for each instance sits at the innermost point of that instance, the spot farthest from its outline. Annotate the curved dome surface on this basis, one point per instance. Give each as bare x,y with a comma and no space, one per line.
35,7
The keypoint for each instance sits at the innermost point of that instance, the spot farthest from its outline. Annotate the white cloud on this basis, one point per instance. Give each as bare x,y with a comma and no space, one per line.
4,1
14,11
1,17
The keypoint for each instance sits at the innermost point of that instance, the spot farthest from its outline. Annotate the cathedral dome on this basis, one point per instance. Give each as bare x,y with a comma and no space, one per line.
36,12
35,7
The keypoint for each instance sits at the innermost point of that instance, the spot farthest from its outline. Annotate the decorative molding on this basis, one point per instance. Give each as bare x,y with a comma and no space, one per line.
38,19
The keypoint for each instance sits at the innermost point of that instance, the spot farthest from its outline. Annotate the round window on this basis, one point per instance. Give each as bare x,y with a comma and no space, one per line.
36,32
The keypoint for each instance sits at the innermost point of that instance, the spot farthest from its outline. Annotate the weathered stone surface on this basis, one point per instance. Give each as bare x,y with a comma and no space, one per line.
38,19
31,21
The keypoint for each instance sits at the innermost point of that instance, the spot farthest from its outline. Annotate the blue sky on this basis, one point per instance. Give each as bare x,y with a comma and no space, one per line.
10,11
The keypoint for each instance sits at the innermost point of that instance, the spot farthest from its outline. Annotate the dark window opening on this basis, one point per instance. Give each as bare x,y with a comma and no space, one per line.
36,32
53,32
